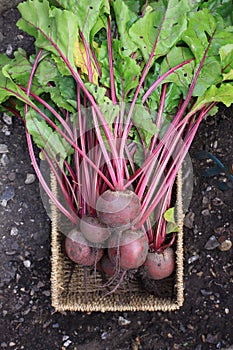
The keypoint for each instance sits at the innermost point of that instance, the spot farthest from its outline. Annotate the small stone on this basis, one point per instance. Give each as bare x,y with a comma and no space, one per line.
193,258
14,231
46,293
27,263
55,325
205,200
65,337
40,285
20,37
123,322
205,212
227,311
10,252
30,179
212,243
9,50
189,220
67,343
217,202
4,313
3,202
225,245
205,292
3,345
12,176
7,194
7,119
4,160
104,335
3,148
6,130
11,343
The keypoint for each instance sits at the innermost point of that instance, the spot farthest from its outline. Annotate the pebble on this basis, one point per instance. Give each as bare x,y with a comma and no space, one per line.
5,160
189,220
193,258
205,292
3,203
3,345
67,343
27,263
7,119
40,285
55,325
205,200
104,335
47,293
225,245
10,252
205,212
30,179
123,322
9,50
65,337
11,343
7,194
212,243
14,231
20,36
5,130
217,202
3,148
12,176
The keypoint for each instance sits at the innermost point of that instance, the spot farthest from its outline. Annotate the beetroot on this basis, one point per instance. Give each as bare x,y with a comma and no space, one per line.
107,266
130,250
118,208
78,250
93,230
160,265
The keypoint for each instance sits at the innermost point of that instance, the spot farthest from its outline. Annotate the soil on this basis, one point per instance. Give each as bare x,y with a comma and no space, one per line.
27,319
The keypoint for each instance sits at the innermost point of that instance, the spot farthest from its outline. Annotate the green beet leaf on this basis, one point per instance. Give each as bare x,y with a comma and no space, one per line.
55,30
162,26
46,138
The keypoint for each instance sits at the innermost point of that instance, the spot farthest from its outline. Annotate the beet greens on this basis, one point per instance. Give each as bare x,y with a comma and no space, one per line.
114,95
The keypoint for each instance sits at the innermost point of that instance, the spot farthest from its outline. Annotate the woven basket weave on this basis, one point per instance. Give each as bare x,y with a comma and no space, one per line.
75,288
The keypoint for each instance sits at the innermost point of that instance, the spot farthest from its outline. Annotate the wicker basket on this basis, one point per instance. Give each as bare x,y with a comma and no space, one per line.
75,288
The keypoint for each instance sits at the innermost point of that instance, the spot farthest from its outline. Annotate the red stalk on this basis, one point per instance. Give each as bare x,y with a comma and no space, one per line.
31,152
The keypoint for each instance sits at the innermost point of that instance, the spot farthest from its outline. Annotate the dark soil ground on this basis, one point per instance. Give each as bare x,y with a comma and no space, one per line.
27,320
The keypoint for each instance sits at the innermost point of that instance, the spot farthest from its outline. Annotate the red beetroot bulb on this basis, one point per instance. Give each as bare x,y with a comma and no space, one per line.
160,265
119,208
130,250
94,230
79,251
